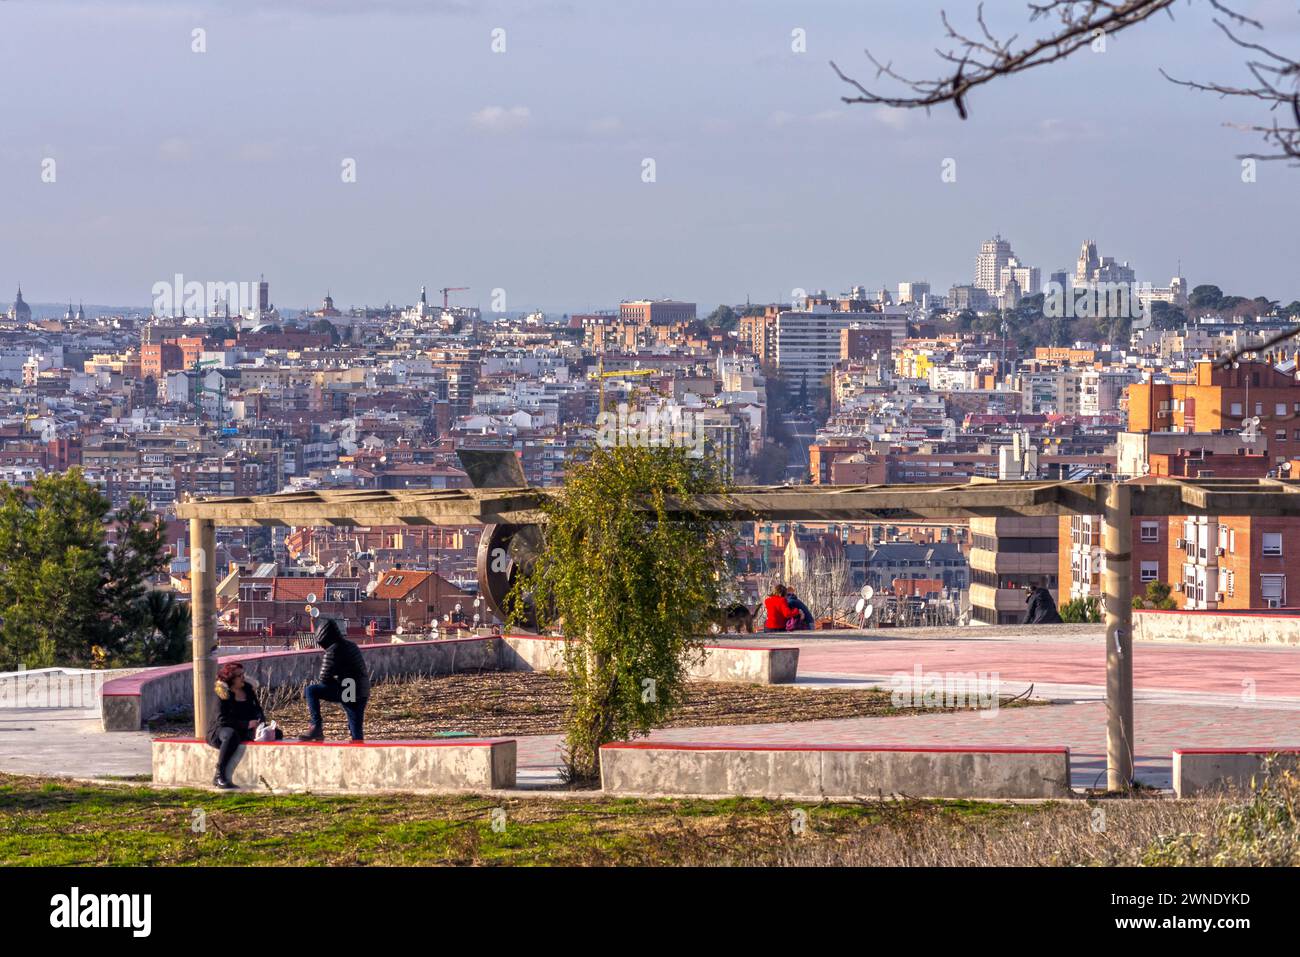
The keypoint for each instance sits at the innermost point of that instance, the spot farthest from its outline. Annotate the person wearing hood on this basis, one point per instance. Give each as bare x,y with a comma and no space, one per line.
1039,607
238,715
343,679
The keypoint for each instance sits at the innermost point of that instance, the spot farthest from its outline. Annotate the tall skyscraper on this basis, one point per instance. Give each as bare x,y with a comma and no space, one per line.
1088,263
994,255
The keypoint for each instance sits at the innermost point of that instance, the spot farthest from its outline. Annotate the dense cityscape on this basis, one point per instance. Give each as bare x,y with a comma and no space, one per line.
564,441
230,397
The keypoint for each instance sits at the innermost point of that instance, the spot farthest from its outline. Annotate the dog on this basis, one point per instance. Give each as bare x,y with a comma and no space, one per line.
733,618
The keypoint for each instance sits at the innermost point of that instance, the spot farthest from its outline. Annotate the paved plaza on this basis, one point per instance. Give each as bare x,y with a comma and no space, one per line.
1187,695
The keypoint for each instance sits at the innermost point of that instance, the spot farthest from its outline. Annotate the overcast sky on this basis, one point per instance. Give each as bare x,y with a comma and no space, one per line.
522,170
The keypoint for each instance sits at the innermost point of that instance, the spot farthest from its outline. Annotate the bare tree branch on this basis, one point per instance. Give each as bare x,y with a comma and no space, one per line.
978,57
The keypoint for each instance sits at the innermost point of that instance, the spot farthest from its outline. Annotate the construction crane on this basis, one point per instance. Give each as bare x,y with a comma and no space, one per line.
447,289
602,375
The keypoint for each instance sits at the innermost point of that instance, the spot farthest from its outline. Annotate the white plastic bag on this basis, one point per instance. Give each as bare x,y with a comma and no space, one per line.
265,732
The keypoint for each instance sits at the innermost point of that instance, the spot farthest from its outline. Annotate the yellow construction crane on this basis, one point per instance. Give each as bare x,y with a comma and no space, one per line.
602,375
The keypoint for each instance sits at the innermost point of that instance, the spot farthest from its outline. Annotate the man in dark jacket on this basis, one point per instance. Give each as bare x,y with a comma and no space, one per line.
1040,609
343,679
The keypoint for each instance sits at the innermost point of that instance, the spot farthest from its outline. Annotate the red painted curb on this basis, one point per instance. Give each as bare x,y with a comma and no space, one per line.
1285,749
697,746
449,743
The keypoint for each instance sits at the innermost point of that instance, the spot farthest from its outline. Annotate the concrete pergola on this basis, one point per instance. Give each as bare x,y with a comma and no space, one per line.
1116,502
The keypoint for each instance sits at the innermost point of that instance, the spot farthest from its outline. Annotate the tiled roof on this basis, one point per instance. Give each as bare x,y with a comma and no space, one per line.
398,583
297,589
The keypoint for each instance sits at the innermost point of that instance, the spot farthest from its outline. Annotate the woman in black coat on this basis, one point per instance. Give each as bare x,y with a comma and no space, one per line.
238,715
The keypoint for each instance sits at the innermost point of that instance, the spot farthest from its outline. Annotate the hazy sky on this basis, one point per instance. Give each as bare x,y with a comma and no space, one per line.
522,170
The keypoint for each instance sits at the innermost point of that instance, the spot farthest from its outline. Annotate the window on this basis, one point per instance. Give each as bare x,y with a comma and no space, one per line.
1259,408
1272,588
1150,532
1149,572
1280,435
1280,410
1235,410
1272,543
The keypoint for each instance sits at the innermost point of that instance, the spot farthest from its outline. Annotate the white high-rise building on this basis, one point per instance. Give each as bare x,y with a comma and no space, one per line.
1028,278
910,293
994,254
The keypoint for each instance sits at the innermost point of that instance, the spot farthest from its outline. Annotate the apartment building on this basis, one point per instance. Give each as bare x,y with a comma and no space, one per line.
1006,555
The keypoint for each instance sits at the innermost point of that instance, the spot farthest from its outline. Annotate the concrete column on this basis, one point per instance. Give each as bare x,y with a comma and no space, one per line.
203,619
1117,544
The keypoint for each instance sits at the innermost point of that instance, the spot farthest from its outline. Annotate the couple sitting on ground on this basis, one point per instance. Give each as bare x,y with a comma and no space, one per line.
343,678
785,612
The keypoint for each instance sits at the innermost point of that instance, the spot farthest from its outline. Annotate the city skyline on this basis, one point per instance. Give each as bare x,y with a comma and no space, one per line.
514,170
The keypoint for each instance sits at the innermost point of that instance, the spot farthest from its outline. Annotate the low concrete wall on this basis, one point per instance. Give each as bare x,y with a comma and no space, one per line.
1200,771
1247,628
459,765
815,772
129,701
748,665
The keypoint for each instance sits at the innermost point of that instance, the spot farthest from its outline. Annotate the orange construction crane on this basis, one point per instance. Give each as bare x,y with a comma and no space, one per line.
447,289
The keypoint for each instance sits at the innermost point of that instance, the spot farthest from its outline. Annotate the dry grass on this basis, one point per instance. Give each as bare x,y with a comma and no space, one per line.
56,823
518,703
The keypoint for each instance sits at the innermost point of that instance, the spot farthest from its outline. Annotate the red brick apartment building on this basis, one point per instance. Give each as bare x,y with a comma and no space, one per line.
1209,562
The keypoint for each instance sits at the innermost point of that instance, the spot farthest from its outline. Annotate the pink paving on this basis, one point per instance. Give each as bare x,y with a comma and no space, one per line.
1214,669
1072,659
1080,727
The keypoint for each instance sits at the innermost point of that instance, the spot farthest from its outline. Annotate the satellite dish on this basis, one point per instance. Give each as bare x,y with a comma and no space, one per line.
868,592
862,603
315,612
866,612
400,630
311,598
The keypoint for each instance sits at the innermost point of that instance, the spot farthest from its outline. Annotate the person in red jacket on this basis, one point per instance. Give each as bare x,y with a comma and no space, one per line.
778,612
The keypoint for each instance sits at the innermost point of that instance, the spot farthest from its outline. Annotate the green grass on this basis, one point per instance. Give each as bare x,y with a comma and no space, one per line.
59,823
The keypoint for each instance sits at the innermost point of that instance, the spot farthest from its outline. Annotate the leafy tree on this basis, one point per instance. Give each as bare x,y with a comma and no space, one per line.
631,583
63,590
1167,316
1205,297
723,318
165,639
328,328
1157,596
1081,610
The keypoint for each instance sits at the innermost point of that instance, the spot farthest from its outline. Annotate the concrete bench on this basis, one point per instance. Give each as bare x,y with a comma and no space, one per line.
810,771
730,663
1200,771
453,765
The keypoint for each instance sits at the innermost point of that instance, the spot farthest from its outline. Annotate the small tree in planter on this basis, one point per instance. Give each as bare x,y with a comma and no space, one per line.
1158,595
631,584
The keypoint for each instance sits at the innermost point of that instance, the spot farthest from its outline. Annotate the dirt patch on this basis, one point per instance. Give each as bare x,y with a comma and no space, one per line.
518,703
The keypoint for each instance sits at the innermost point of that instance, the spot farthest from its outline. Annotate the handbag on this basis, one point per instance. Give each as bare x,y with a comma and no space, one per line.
266,732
